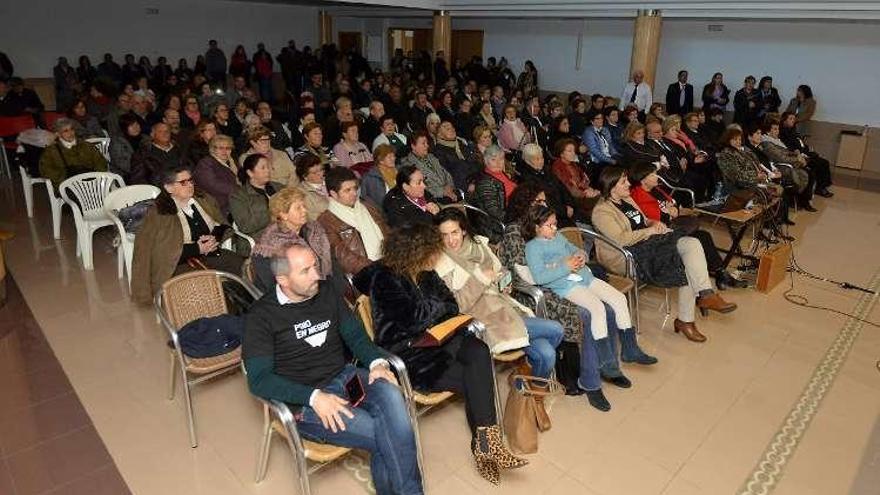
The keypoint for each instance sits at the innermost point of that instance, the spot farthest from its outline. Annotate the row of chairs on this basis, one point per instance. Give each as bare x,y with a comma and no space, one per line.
200,294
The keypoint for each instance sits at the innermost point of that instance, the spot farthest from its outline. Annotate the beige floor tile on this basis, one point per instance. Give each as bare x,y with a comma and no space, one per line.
614,469
452,485
681,486
567,485
539,473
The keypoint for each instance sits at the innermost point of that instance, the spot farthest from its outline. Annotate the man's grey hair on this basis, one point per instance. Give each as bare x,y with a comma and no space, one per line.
492,151
531,151
62,123
280,264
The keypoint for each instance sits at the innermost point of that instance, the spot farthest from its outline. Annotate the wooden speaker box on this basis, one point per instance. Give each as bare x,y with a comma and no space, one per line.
774,264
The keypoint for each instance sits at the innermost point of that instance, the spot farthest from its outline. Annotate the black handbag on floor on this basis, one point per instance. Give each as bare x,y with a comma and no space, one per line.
568,366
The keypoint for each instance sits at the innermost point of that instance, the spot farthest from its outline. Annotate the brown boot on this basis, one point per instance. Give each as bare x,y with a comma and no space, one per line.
504,458
543,418
714,302
689,330
487,466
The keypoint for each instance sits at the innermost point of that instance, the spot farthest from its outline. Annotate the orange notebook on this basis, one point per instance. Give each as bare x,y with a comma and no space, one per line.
441,332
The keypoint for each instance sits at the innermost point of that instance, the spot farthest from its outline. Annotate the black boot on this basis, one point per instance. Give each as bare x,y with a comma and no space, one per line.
596,399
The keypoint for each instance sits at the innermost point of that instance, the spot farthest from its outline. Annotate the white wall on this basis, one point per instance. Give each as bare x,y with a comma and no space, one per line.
838,60
552,46
35,33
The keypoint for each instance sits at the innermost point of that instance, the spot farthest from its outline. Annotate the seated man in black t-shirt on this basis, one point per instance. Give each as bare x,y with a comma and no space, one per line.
294,352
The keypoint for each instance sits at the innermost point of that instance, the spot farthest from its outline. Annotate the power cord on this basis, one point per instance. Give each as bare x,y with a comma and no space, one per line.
801,300
778,234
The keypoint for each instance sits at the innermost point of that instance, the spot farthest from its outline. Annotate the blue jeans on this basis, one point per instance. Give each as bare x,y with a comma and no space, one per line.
544,338
589,378
380,425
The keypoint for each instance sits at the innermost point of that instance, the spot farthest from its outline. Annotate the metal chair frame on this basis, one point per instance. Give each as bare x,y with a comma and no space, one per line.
689,192
633,295
274,410
178,360
363,307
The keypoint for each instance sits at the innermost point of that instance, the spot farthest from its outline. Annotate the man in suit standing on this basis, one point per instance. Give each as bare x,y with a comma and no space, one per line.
680,96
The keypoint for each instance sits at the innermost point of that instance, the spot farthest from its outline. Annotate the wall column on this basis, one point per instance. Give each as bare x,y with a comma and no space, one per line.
442,34
646,44
325,28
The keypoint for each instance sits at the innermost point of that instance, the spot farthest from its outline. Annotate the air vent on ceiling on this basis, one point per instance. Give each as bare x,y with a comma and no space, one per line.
715,28
151,11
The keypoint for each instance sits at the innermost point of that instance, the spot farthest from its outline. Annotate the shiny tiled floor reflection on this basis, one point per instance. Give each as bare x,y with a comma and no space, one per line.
47,441
694,424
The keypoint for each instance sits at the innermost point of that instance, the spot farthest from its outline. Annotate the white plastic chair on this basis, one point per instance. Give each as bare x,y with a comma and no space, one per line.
116,200
103,145
27,186
88,191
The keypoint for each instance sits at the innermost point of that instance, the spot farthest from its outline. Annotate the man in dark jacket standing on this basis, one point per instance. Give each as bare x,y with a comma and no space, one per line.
215,64
294,352
680,96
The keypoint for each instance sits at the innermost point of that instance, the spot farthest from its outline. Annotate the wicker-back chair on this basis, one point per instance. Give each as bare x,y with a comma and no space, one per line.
310,457
277,418
185,298
364,309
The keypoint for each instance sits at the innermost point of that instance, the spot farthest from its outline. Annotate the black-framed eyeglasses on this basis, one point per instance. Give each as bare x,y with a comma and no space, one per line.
184,182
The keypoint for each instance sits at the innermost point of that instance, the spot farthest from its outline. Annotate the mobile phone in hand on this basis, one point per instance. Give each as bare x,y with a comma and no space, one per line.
505,280
355,390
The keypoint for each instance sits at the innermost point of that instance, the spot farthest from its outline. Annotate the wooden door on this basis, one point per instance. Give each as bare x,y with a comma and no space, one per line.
350,40
422,40
465,44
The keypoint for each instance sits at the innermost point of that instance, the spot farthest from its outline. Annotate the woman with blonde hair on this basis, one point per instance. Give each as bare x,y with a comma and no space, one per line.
288,224
382,177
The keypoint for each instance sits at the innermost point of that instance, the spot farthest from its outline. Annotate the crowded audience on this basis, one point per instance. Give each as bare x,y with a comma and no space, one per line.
435,189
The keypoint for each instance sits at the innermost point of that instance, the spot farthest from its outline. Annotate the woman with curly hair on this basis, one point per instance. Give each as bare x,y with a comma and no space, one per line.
408,297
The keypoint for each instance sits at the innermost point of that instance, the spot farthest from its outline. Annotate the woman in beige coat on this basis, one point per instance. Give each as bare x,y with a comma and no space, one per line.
481,287
280,166
662,256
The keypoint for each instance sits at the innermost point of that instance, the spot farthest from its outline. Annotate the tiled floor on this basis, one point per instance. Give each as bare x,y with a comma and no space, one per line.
48,444
696,423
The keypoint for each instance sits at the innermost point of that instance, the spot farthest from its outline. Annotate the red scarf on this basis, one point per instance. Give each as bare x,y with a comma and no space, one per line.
508,184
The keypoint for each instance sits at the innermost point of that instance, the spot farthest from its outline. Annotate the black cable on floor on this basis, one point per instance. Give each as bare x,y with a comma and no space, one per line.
801,300
778,231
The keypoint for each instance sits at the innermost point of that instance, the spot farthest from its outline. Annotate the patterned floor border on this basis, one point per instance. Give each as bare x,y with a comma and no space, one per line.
359,469
769,469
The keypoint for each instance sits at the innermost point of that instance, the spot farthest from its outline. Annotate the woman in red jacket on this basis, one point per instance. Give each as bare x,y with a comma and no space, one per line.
659,206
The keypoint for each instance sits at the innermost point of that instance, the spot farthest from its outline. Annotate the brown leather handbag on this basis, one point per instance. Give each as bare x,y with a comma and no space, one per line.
520,420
